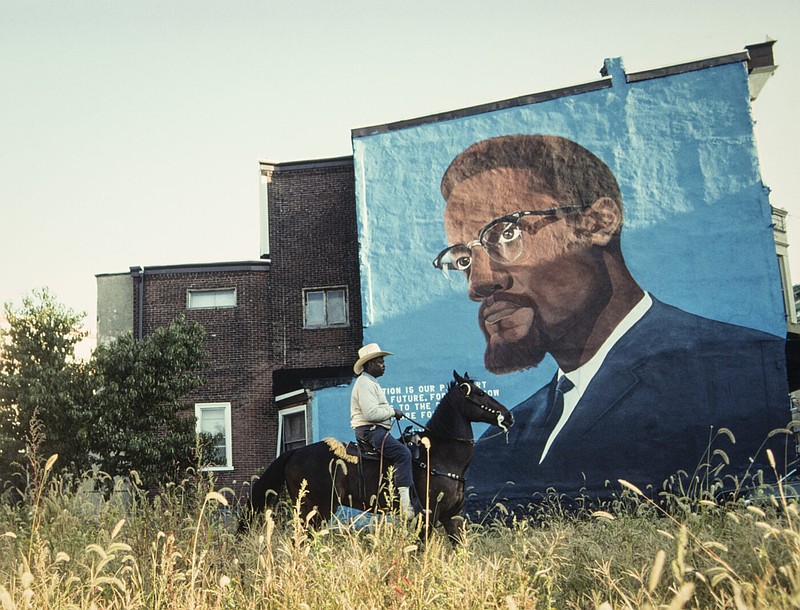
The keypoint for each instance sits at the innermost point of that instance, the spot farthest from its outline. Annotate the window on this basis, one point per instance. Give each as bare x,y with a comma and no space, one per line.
208,299
779,220
325,307
214,420
796,297
292,428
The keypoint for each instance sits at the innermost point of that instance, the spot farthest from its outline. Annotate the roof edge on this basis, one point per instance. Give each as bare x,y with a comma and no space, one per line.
287,166
690,66
257,265
523,100
757,56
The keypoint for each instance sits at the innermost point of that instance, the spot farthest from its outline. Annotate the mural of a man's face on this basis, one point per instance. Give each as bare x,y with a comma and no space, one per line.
547,299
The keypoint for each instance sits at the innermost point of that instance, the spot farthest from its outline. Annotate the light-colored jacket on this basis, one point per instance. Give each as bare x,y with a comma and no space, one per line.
368,405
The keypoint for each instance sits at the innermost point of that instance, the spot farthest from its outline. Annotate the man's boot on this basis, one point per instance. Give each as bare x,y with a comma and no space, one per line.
406,510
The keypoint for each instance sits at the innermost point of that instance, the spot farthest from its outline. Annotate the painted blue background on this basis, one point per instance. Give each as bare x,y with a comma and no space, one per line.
697,230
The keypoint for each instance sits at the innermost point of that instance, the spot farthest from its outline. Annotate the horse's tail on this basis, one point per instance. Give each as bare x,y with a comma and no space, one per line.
264,491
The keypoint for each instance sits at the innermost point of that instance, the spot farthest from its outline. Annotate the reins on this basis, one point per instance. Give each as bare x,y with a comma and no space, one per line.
424,465
433,433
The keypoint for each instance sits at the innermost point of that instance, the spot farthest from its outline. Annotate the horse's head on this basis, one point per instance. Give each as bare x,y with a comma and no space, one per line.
478,405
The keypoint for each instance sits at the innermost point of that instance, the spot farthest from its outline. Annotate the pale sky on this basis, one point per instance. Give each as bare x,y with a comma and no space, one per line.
130,132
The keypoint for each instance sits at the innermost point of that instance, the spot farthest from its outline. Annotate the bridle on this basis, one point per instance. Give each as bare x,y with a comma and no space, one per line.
498,414
467,393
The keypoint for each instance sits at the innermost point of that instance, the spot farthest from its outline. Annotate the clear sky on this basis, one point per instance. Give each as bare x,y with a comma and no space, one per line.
130,131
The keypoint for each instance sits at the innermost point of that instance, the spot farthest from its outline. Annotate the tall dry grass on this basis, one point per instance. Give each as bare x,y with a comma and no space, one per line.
66,548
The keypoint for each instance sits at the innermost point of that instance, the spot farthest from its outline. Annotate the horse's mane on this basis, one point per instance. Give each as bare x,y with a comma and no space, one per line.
467,379
338,449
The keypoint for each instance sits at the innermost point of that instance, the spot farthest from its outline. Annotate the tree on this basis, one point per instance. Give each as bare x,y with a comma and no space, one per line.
43,386
120,411
137,402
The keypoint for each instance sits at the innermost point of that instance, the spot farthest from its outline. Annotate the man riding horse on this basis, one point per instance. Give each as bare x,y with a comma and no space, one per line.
371,418
318,485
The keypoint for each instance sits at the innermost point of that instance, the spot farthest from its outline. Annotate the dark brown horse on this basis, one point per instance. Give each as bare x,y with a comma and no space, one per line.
333,477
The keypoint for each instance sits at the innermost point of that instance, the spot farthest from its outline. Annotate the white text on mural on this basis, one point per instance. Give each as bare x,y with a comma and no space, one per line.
419,402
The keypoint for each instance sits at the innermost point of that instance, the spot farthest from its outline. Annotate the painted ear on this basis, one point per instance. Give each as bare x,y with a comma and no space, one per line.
604,218
458,377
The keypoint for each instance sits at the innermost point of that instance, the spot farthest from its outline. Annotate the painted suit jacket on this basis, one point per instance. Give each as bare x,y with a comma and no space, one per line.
654,408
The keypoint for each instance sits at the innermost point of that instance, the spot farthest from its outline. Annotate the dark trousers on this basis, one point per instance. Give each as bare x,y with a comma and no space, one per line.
393,451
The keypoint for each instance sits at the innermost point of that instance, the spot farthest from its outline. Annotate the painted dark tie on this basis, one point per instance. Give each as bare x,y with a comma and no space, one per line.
563,386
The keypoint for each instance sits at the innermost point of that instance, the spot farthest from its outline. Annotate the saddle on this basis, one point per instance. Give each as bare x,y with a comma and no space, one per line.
363,449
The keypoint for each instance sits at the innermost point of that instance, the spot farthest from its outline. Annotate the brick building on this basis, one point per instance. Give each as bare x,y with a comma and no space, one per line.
278,327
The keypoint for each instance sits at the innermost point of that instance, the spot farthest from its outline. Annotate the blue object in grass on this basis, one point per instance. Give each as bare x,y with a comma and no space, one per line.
347,517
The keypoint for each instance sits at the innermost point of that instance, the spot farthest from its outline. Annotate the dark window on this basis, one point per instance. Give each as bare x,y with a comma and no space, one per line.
294,430
325,307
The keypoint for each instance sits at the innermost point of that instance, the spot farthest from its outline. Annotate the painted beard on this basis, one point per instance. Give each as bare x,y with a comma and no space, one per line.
513,342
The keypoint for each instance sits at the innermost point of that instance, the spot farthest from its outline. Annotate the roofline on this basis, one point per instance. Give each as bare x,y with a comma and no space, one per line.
524,100
691,66
763,51
288,166
260,265
113,274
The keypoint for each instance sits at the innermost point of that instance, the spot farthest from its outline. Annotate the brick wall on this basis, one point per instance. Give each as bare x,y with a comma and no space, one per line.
314,244
239,343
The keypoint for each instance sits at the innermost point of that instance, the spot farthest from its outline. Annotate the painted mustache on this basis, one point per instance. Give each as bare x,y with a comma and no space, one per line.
500,306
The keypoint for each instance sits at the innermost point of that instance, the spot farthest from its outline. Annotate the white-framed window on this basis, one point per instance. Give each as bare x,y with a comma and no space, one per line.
210,298
325,307
214,419
292,428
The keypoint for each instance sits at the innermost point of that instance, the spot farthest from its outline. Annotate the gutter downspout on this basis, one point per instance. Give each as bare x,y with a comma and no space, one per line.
139,271
141,305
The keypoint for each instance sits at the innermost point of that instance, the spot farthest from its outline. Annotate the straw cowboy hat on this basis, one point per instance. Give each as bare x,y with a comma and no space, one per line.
367,353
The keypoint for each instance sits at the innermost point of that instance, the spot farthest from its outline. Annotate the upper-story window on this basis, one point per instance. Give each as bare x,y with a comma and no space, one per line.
209,299
324,307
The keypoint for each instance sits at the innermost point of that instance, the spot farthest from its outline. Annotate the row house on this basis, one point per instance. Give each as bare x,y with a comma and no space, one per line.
278,327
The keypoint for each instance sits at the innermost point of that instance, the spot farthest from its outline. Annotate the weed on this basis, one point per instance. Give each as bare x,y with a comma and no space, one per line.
67,547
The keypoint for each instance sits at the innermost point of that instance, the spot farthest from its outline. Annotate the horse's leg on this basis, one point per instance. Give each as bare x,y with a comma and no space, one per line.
455,526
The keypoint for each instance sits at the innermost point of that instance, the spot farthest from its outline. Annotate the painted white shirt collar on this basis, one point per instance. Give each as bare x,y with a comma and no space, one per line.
583,375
